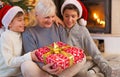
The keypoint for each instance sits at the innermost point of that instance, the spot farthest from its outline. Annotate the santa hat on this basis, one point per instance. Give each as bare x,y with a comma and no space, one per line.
83,13
7,13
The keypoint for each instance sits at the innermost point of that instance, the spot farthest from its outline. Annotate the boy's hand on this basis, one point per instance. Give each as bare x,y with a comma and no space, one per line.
59,21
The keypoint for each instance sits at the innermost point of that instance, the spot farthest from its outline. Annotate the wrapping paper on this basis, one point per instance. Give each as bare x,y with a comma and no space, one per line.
61,54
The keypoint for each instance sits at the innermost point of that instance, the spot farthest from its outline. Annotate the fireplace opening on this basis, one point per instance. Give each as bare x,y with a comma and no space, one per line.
99,15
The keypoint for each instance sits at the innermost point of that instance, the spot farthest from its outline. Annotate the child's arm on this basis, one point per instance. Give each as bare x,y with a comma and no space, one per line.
34,57
11,51
58,21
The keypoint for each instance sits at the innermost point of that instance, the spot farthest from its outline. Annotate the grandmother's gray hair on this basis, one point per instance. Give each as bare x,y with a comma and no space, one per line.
45,8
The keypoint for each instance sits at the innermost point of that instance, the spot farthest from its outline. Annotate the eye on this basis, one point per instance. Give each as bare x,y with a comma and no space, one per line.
73,16
19,19
47,17
66,16
53,16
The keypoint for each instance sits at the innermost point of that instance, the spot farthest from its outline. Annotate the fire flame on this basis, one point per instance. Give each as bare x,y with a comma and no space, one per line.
99,21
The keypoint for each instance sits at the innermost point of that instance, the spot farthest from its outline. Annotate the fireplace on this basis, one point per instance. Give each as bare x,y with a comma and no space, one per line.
99,15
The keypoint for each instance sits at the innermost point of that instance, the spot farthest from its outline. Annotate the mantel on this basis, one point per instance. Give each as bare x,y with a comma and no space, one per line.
104,35
111,42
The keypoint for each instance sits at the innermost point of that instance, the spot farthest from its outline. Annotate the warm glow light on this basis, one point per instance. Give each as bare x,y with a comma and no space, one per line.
98,20
95,15
32,2
102,23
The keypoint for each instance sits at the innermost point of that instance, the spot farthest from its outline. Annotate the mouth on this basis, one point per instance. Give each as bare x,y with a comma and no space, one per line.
22,28
69,24
49,23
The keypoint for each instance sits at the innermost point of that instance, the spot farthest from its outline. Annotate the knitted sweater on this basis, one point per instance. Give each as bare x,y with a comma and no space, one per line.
79,36
36,37
10,53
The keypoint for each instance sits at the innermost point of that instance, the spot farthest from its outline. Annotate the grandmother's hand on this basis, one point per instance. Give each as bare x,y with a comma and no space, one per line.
48,69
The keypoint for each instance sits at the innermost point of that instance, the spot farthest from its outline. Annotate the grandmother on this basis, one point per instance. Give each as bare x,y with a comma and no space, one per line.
44,33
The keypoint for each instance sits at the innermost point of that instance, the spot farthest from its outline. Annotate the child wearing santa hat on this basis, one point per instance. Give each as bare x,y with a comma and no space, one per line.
75,16
12,18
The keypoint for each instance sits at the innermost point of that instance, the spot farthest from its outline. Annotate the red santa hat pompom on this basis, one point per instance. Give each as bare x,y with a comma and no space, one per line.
7,13
83,13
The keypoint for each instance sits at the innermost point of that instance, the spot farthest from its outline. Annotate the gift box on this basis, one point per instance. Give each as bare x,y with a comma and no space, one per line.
60,54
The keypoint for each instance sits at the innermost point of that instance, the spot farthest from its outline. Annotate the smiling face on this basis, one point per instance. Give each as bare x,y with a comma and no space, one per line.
17,23
70,15
45,13
45,22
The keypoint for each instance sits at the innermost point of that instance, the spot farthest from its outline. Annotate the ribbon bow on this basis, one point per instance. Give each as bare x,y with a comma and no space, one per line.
57,50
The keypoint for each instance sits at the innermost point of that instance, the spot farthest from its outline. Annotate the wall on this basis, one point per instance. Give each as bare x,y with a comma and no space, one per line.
116,17
112,41
112,45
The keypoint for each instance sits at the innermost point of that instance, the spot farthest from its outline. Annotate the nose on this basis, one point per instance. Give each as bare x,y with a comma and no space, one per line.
50,19
23,23
70,19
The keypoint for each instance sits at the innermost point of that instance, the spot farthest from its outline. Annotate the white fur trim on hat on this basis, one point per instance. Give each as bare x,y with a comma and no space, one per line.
82,22
8,17
74,2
